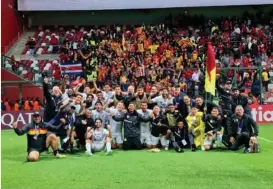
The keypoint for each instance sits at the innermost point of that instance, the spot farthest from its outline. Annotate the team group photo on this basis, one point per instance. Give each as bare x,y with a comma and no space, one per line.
136,95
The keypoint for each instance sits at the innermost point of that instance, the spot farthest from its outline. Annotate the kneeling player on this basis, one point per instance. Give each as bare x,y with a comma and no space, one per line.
212,129
180,135
98,139
38,138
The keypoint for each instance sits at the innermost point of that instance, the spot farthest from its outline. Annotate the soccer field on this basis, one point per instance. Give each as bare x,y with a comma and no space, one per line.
139,169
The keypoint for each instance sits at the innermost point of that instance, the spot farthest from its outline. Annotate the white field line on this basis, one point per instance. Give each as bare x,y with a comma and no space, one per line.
264,139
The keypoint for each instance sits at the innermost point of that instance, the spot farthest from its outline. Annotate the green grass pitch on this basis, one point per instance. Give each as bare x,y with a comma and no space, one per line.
139,169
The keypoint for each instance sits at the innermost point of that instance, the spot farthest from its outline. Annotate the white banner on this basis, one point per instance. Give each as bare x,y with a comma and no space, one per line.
58,5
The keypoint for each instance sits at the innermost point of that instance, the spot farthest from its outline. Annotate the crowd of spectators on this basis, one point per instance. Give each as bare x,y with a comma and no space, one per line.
175,55
28,104
171,54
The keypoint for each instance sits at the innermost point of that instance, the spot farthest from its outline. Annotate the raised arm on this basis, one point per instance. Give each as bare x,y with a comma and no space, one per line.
120,117
46,90
55,128
220,89
240,85
22,131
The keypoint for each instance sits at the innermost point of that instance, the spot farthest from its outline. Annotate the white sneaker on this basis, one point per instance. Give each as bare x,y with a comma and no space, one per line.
166,148
60,155
88,153
109,153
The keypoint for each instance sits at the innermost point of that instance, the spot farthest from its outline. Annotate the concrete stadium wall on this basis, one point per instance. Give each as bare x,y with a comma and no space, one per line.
12,93
129,16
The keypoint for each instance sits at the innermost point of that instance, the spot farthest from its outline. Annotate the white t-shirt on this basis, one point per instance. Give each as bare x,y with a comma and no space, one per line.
103,115
84,96
99,136
161,102
115,126
108,95
195,77
145,127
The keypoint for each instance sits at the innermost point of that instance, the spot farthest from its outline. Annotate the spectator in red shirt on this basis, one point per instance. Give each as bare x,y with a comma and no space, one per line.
54,42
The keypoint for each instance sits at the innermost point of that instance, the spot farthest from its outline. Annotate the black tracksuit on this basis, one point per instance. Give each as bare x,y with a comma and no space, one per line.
36,135
242,130
80,129
131,123
51,105
159,125
212,123
180,134
240,100
226,98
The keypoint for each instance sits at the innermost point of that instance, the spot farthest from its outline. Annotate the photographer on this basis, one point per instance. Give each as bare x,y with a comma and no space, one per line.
242,130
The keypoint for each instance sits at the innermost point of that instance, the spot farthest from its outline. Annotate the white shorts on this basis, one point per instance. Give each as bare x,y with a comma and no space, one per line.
209,140
97,147
163,140
117,138
145,138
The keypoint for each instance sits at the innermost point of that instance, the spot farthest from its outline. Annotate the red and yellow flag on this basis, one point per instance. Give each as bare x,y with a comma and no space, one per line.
210,81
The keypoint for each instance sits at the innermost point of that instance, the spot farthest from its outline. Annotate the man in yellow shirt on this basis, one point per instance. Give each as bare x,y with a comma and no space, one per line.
196,128
265,79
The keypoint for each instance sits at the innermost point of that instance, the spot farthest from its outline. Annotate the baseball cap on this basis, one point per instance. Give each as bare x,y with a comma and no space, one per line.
228,81
36,114
171,104
235,89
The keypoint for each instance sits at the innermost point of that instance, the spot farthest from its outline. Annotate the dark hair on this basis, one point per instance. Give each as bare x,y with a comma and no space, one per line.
98,119
98,102
216,108
90,95
107,84
99,92
79,95
199,97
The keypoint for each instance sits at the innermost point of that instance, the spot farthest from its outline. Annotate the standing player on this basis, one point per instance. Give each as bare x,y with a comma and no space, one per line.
159,129
116,126
164,100
98,139
145,130
99,113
